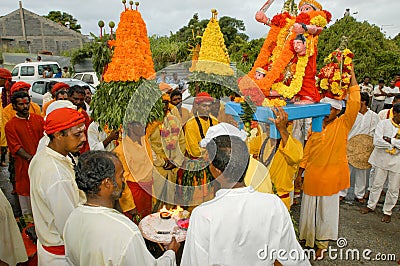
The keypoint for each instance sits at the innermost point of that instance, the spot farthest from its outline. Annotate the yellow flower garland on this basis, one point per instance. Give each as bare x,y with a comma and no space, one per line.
214,57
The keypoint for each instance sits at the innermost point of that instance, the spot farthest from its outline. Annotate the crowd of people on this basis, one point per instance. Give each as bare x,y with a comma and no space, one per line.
84,185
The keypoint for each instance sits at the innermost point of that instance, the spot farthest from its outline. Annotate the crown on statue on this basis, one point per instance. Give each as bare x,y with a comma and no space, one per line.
311,2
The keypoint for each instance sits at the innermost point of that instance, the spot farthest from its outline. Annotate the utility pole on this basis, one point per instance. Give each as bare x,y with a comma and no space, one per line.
21,15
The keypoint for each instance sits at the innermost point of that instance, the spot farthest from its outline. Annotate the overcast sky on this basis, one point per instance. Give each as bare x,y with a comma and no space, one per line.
165,16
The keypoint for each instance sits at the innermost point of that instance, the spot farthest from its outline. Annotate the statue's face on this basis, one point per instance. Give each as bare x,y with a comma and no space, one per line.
299,47
258,75
306,8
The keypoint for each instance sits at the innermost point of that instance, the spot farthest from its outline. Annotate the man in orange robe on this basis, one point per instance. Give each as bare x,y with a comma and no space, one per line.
8,113
326,172
23,133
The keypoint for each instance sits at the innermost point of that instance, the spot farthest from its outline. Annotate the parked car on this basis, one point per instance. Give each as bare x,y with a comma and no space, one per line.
31,71
88,77
40,87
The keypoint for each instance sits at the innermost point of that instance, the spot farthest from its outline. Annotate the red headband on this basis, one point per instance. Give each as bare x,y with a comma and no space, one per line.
203,97
59,86
61,119
17,86
5,74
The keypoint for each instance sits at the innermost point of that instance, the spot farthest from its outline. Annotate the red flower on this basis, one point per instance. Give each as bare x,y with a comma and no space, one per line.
164,133
303,18
171,146
280,19
175,130
328,16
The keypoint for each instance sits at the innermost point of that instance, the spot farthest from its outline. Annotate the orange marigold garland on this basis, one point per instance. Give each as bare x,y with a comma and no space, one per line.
130,66
276,60
132,57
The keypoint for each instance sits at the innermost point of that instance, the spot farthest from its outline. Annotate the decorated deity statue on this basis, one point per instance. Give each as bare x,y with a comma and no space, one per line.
260,73
289,51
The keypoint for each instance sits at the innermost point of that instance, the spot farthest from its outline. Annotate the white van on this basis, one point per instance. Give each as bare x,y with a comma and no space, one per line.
88,77
29,72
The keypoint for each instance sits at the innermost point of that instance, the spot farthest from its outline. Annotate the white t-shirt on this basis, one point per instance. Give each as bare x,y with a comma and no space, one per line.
103,236
236,226
389,100
377,91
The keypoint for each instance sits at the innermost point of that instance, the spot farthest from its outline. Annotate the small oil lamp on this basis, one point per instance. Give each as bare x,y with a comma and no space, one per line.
164,213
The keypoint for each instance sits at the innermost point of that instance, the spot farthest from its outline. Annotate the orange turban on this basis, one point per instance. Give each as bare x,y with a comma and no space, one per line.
59,86
17,86
203,97
62,119
165,87
5,74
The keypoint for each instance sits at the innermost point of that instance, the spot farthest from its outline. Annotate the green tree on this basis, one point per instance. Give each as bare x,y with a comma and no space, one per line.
62,18
245,53
232,28
374,54
167,50
397,40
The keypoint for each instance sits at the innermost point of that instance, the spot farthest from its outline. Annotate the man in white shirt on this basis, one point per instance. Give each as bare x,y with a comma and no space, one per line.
365,123
385,158
97,234
391,91
388,113
367,87
379,97
54,193
98,138
240,226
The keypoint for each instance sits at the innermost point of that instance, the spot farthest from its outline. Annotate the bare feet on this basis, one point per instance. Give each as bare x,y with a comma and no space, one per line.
361,201
366,195
386,218
365,210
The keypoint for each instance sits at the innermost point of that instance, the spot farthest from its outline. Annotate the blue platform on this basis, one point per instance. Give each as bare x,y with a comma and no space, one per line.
315,111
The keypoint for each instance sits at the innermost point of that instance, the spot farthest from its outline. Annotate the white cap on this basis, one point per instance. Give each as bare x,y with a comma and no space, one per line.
337,104
57,105
222,129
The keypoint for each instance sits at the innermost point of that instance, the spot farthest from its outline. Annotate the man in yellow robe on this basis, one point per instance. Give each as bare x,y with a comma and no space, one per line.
135,155
286,159
196,127
168,145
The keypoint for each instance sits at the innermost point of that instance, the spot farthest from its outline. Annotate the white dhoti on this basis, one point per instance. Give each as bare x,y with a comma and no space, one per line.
12,249
319,219
360,182
392,194
47,258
